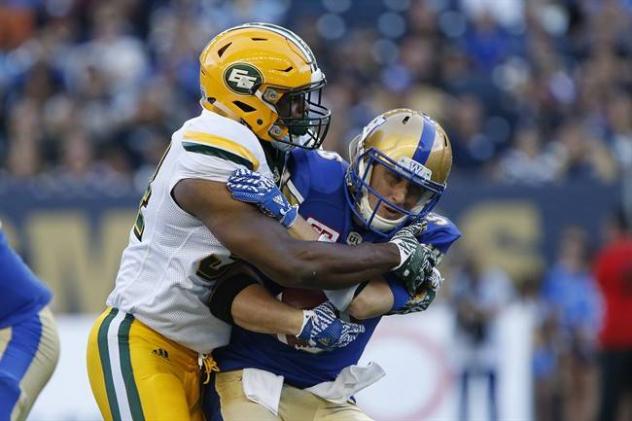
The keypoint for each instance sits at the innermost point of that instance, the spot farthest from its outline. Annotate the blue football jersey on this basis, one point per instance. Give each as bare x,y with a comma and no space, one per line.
21,293
317,183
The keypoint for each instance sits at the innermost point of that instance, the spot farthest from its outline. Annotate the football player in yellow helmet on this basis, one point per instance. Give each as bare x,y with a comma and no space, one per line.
399,169
267,77
261,87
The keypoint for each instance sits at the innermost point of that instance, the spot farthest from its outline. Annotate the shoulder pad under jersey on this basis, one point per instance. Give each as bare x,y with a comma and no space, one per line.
213,143
313,171
440,232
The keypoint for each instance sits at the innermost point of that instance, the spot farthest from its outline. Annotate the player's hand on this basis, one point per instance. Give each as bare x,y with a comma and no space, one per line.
323,329
416,259
423,297
252,187
406,240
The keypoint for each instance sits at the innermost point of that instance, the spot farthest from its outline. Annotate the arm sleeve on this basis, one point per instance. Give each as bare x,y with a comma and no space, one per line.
228,287
221,300
400,294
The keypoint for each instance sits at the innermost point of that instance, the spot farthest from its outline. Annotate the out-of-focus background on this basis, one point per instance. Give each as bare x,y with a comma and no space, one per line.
535,96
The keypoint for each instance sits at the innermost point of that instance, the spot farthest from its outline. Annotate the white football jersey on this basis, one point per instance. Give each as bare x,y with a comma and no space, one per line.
173,259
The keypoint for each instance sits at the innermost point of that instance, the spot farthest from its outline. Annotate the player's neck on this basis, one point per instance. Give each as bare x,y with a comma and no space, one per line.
276,160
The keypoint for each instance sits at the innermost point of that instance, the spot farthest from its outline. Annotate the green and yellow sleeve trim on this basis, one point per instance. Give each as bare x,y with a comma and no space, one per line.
208,144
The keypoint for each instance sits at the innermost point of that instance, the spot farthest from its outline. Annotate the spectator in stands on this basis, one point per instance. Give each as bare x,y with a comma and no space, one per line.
525,162
541,66
619,129
582,157
547,387
480,292
613,270
473,149
571,301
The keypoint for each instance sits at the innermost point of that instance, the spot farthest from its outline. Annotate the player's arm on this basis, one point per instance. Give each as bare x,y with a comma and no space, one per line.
374,300
378,296
382,297
388,296
266,244
240,299
254,310
302,230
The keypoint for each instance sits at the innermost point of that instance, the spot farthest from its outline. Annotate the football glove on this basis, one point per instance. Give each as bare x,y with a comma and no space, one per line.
406,240
323,329
421,300
252,187
416,259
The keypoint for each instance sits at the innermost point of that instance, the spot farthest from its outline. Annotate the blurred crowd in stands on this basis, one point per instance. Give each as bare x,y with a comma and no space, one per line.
582,338
531,92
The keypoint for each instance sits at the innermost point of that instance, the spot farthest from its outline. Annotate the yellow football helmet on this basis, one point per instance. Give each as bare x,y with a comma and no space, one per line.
266,77
409,146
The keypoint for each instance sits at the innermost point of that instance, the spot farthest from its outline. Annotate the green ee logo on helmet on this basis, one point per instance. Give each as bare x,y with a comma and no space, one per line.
243,78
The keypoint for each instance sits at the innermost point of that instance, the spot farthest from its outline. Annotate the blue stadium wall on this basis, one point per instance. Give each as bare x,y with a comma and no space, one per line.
73,239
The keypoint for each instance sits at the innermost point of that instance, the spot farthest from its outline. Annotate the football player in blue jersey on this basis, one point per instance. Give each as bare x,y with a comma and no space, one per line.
398,171
29,344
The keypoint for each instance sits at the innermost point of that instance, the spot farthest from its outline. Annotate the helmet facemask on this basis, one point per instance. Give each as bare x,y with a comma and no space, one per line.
302,119
376,211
